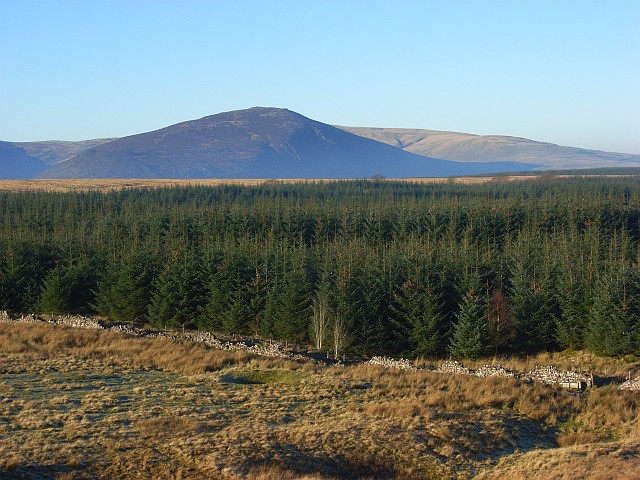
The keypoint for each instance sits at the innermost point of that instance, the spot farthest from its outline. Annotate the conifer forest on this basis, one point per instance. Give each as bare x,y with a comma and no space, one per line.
361,267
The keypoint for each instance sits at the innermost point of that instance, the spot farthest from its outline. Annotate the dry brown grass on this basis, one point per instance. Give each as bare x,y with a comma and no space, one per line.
81,402
107,184
163,354
603,461
423,391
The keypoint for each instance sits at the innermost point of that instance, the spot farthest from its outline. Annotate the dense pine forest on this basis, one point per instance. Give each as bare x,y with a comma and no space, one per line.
362,267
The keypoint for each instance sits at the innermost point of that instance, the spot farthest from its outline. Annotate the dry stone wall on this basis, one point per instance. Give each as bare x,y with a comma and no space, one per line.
632,384
551,375
545,374
386,362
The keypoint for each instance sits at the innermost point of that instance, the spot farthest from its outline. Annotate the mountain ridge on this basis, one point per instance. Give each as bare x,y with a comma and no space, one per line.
267,142
260,142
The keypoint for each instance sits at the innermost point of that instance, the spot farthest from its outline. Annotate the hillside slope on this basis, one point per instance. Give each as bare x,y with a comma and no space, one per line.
464,147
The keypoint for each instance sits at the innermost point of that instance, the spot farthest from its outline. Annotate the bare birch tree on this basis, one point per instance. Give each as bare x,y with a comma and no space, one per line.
341,335
319,319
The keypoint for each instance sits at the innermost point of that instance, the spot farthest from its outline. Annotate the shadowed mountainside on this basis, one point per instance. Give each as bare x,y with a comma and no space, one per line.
464,147
256,143
15,163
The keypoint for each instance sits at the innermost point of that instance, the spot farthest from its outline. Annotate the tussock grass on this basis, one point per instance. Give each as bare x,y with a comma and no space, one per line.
41,339
77,403
428,391
601,461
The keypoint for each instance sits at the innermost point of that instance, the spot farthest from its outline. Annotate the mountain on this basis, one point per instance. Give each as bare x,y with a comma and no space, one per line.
15,163
277,143
256,143
464,147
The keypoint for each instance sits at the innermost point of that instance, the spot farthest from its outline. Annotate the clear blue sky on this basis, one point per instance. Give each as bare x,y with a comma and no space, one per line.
561,71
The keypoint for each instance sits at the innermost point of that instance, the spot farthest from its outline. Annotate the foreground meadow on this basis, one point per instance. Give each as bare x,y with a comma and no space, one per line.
97,404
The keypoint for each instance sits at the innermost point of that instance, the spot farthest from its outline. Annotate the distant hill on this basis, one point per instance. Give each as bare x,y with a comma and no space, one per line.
464,147
55,151
15,163
256,143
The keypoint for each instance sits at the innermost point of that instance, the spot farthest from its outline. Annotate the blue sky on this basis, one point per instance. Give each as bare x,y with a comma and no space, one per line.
566,72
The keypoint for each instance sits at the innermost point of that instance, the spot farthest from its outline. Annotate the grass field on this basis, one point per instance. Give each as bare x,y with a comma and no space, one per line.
96,404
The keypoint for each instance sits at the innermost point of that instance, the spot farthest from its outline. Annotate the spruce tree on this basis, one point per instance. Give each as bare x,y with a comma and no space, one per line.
123,294
56,292
238,315
572,323
501,330
179,293
428,327
293,308
470,333
612,324
417,321
534,310
163,308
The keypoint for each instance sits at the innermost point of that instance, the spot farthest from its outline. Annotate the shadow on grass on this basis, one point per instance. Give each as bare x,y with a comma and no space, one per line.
237,379
292,462
608,380
46,472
